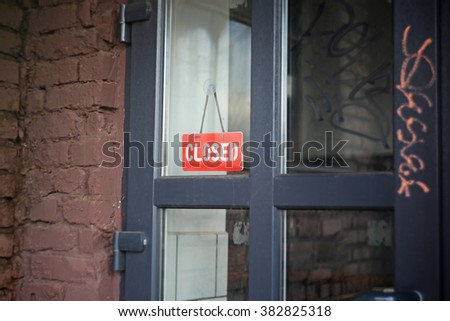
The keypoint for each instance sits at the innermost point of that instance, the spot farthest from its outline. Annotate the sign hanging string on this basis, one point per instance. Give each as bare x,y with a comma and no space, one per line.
218,111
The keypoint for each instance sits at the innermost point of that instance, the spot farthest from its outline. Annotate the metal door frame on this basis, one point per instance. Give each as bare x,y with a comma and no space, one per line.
146,191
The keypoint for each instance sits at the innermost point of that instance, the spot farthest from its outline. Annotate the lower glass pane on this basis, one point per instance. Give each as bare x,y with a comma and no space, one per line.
335,254
205,254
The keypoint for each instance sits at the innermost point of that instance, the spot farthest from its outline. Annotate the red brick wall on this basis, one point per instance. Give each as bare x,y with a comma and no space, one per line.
62,74
11,137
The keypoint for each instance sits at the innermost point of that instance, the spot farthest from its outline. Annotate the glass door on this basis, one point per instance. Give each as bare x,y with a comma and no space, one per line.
206,93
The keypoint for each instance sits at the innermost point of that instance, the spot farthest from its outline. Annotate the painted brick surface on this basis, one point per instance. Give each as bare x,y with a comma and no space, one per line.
61,99
10,15
53,18
10,139
9,99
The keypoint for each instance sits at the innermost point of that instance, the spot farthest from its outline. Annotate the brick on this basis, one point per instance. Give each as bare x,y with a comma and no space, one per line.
86,212
92,240
350,237
84,13
350,269
6,212
9,99
106,287
362,219
55,237
8,158
300,253
363,253
5,276
42,291
104,123
10,43
54,73
5,295
39,183
105,21
65,43
64,267
51,154
55,125
82,292
9,126
331,226
311,293
95,124
87,151
319,275
53,18
326,251
239,255
45,211
105,181
19,263
69,181
6,245
308,225
35,101
102,66
20,210
7,185
10,71
324,291
297,276
10,16
82,96
296,292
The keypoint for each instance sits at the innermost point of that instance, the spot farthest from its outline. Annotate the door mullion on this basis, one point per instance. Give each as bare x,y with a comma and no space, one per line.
202,192
264,252
369,190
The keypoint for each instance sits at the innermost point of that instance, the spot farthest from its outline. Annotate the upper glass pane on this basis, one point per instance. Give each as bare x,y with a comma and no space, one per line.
339,86
207,56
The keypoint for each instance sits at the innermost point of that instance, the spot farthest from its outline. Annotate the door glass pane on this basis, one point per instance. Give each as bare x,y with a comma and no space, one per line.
340,86
335,254
207,51
205,254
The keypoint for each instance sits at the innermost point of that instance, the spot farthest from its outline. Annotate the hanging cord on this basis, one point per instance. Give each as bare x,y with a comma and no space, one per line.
218,111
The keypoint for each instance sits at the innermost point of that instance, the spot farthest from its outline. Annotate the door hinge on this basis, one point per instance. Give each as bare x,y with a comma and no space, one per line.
129,13
126,242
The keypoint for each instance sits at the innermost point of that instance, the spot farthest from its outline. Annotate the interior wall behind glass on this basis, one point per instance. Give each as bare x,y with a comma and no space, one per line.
336,254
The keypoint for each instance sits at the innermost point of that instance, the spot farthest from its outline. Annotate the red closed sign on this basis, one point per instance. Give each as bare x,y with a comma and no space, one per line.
212,152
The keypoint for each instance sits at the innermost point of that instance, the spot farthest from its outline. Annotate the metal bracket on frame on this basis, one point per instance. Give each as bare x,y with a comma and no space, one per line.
127,242
129,13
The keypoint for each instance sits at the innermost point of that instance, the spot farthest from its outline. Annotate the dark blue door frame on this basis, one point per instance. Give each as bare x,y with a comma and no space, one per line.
417,111
422,219
445,142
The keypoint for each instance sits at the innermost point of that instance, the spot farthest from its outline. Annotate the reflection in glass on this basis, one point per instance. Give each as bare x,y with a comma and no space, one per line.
335,254
340,91
207,50
205,254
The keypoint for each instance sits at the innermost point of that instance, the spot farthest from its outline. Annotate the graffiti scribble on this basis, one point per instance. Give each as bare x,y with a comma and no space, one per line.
414,93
